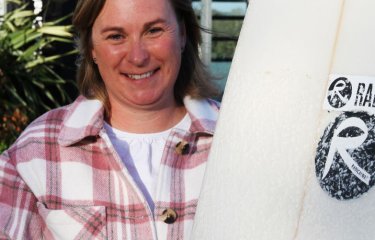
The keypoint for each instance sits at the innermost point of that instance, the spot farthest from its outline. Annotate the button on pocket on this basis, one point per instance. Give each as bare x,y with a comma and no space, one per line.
182,148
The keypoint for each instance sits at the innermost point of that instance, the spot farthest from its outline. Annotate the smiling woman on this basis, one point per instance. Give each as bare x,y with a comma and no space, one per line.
125,160
139,57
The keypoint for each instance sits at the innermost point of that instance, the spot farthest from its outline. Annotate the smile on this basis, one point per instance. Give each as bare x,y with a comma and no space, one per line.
141,76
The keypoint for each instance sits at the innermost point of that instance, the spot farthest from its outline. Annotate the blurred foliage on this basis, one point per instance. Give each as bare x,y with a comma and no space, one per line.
224,50
29,84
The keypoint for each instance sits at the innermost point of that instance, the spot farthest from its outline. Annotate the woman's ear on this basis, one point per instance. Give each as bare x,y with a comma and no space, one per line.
93,56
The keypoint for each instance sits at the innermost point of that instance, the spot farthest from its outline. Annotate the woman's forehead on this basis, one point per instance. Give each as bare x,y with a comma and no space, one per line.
135,10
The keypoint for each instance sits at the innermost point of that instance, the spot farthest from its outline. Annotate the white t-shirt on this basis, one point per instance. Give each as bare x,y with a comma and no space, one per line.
142,153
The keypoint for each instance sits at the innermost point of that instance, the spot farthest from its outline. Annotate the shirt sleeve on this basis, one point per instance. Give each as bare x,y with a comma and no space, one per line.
17,204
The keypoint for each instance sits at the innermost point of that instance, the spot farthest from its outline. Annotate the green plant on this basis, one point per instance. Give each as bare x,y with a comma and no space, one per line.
29,84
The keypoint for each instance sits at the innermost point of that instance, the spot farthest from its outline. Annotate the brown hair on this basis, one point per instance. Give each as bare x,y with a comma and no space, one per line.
193,78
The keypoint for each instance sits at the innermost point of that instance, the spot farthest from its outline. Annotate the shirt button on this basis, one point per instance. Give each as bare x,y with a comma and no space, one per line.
182,148
169,216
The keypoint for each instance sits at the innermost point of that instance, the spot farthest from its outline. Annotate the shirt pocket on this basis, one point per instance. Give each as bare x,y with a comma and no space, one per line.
88,222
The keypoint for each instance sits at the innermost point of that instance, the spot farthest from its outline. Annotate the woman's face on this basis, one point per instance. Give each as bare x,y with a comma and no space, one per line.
137,46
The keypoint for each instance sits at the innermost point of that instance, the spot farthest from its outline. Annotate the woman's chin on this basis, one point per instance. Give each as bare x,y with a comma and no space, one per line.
150,100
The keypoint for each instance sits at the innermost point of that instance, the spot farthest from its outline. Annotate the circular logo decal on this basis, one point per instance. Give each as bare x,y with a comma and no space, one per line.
345,159
339,92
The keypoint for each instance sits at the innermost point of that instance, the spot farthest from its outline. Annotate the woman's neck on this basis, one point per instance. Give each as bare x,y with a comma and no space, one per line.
145,120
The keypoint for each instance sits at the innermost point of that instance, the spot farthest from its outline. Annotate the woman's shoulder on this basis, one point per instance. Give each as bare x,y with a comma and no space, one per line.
65,120
40,132
46,126
51,119
55,119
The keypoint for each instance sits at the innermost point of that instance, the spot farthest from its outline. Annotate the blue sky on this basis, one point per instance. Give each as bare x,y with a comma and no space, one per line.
224,6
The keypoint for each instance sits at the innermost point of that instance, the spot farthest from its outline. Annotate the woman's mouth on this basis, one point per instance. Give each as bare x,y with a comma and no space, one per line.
141,76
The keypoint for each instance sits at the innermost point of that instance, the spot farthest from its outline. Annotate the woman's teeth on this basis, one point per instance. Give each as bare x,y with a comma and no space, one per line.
140,76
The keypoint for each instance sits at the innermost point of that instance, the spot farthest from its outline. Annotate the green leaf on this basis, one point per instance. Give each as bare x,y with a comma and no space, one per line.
10,25
30,51
64,96
22,38
50,97
55,75
13,91
38,84
42,59
62,31
61,39
18,2
3,35
21,14
57,21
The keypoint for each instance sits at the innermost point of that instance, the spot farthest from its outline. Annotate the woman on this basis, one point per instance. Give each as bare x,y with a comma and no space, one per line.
127,158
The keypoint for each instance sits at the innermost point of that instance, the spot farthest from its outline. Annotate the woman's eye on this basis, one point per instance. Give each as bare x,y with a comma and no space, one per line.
115,37
155,30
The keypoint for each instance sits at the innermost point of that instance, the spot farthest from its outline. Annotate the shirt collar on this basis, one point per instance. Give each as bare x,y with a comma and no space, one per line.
86,118
203,114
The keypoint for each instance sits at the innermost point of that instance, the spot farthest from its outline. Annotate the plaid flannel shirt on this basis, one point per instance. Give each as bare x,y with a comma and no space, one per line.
62,179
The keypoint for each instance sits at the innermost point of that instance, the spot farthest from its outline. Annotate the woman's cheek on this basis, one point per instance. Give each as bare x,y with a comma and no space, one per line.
167,45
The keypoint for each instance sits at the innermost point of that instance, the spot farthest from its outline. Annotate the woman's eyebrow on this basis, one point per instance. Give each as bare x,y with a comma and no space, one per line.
121,29
112,28
156,21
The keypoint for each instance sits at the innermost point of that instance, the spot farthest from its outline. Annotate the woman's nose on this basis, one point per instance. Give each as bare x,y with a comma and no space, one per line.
138,53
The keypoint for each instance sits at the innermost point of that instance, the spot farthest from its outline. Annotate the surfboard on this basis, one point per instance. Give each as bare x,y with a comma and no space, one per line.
293,155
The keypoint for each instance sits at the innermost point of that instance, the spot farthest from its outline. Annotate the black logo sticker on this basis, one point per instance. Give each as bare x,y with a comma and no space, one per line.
339,92
345,159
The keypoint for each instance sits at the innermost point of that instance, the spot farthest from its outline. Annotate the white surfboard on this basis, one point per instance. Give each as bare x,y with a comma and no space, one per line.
293,155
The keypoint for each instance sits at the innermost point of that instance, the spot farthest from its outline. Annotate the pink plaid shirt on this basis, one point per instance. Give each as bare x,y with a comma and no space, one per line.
62,179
